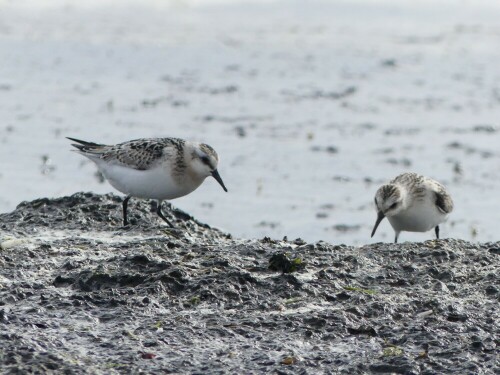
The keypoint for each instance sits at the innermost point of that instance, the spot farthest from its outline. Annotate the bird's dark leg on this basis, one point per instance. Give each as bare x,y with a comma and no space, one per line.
125,203
437,231
160,214
396,238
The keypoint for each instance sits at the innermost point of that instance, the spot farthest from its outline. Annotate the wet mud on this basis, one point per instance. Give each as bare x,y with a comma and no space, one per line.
81,294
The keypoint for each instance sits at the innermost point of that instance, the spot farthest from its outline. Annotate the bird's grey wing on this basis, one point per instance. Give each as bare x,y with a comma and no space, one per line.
140,154
444,202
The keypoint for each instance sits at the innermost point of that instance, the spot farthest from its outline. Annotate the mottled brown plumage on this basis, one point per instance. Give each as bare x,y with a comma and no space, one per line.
140,154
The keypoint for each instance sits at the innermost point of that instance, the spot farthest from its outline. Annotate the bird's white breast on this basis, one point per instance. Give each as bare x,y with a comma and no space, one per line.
155,183
421,216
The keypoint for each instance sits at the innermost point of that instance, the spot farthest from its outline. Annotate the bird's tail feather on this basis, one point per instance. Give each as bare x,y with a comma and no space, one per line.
84,145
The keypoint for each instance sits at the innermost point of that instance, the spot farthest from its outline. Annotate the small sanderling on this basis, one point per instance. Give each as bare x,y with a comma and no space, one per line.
153,168
412,203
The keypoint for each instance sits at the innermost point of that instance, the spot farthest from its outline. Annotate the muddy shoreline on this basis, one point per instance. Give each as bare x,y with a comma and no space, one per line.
81,294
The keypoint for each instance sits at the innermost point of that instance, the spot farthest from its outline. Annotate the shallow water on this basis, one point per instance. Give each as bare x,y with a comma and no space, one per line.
311,107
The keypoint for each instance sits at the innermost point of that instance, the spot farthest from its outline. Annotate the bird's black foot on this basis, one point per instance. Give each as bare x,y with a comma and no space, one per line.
437,231
160,214
124,205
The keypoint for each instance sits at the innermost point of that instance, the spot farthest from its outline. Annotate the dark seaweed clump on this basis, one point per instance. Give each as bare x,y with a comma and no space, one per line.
81,294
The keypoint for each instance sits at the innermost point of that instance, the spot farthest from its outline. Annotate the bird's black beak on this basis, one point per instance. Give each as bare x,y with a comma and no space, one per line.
380,217
216,175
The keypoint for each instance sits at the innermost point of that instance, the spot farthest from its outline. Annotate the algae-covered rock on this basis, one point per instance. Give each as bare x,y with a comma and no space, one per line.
79,293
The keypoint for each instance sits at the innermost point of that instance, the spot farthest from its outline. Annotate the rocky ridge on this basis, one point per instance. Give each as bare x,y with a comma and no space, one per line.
81,294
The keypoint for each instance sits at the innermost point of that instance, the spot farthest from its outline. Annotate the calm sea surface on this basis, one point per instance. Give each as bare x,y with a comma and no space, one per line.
311,105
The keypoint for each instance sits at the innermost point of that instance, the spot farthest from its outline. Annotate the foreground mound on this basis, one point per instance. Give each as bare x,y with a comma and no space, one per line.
81,294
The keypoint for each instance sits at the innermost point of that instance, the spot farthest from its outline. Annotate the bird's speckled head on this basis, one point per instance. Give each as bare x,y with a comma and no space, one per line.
389,199
204,159
204,162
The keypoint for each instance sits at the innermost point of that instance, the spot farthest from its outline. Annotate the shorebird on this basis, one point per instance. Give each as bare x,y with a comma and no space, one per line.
153,168
412,203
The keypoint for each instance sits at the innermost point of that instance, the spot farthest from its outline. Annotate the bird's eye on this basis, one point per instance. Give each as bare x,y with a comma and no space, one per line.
205,160
393,206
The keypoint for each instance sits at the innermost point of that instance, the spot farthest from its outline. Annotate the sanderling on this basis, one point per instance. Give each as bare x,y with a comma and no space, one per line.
412,203
153,168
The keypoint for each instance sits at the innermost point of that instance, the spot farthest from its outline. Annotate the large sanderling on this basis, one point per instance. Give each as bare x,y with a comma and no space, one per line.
153,168
412,203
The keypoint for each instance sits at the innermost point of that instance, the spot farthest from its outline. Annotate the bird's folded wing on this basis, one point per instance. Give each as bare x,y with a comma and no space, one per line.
138,154
443,201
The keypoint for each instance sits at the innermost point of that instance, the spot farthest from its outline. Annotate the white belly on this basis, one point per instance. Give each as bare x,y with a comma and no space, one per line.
420,217
154,183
